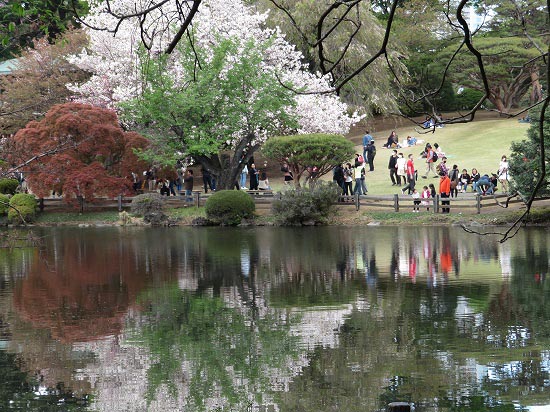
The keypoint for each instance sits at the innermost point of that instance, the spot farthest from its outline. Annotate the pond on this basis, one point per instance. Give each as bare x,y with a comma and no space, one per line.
275,319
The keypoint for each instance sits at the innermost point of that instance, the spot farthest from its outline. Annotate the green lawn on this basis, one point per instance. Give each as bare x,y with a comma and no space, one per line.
478,144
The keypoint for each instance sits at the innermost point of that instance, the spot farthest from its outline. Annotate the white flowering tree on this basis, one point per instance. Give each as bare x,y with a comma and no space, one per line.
218,95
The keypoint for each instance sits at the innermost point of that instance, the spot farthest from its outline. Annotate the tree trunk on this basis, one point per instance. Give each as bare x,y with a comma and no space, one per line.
536,88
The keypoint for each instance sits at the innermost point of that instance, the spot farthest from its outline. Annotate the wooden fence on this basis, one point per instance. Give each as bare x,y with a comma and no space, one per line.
467,203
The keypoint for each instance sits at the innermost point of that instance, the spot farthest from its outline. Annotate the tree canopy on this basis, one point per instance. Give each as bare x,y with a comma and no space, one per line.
303,152
219,114
40,81
90,154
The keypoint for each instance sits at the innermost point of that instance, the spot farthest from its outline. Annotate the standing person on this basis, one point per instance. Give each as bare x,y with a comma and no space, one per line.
244,174
411,176
179,180
392,167
503,173
188,186
433,192
367,138
443,167
401,165
444,192
348,180
253,177
426,195
287,174
429,161
454,177
371,153
338,176
416,201
206,180
358,172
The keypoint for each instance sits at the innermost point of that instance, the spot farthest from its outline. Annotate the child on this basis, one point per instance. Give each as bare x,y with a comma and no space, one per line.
426,194
432,189
416,201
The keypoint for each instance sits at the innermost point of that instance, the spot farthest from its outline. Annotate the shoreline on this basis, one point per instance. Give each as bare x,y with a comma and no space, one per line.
539,217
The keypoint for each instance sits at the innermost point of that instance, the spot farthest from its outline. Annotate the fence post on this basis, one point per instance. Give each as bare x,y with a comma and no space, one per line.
478,203
198,199
436,204
396,202
41,204
119,198
357,204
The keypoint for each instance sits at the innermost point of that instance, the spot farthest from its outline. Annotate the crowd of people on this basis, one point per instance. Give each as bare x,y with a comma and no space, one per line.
405,174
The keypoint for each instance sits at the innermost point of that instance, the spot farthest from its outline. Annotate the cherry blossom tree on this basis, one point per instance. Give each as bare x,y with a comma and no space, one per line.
122,71
97,157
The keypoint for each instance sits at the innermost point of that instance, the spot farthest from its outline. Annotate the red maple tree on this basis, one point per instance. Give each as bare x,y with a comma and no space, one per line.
91,155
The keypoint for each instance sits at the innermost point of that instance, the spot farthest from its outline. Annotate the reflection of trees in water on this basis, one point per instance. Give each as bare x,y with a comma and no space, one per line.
239,282
231,356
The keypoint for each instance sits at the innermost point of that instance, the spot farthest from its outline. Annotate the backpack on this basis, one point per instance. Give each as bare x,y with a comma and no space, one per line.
435,157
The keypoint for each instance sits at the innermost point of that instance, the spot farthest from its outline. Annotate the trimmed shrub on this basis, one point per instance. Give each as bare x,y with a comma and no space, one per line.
4,204
146,203
8,186
229,207
150,207
22,209
307,206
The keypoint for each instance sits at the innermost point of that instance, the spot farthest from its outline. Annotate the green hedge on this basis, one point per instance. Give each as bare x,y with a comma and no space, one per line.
229,207
22,209
8,186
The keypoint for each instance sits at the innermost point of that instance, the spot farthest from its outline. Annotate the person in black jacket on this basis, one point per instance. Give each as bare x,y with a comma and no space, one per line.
371,153
392,166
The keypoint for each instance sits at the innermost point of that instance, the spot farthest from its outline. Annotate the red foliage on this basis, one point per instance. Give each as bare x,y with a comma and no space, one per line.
94,155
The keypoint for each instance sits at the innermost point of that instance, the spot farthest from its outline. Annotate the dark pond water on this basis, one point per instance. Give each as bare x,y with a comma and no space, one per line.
264,319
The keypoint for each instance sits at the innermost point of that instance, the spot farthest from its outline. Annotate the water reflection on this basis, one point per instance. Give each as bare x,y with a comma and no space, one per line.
305,320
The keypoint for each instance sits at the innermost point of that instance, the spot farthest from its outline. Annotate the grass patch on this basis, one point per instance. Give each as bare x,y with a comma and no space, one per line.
186,212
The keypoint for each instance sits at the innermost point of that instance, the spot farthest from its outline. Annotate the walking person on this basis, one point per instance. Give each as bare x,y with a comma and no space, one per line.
411,175
392,167
429,161
444,192
401,165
